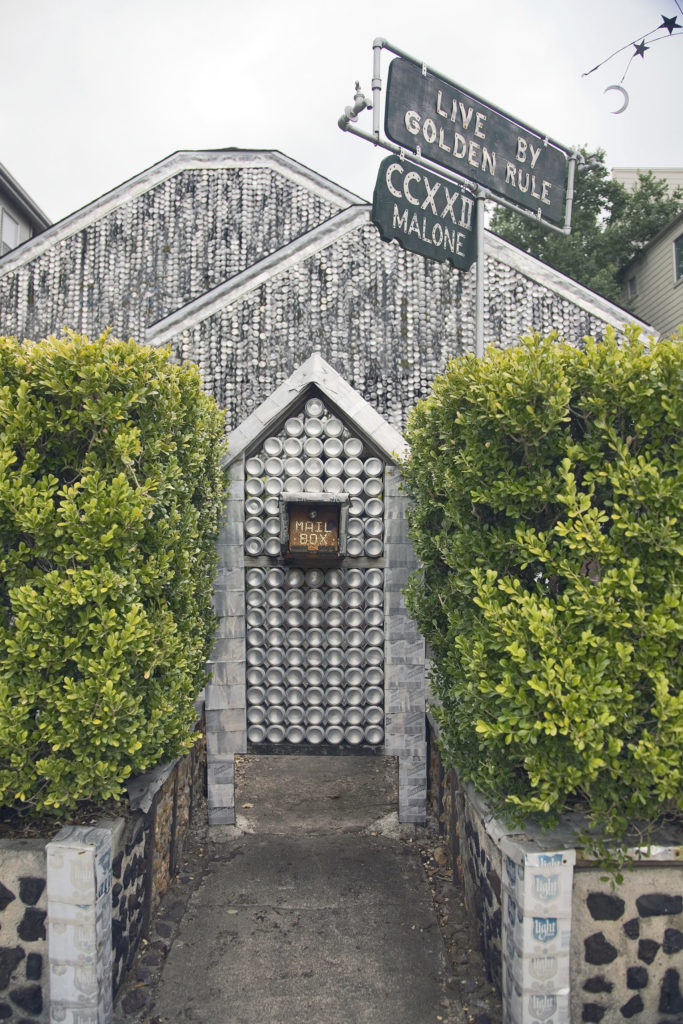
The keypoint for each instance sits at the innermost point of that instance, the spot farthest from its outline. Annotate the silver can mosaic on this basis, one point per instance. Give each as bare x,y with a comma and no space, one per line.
314,635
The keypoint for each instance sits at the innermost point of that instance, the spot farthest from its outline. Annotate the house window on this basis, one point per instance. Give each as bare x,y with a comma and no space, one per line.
9,232
678,258
631,287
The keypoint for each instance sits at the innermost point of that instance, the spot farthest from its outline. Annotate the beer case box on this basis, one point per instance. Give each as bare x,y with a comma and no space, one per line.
535,934
541,882
546,972
530,1006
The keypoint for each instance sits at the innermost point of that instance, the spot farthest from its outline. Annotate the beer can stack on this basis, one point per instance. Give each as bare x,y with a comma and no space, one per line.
314,453
315,655
314,636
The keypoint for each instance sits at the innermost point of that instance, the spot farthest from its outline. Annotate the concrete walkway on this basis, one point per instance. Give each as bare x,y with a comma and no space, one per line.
314,909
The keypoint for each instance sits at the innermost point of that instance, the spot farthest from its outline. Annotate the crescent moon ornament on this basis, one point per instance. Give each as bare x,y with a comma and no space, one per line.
619,88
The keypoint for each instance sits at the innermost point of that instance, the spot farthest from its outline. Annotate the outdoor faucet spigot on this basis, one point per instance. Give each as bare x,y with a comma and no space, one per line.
351,113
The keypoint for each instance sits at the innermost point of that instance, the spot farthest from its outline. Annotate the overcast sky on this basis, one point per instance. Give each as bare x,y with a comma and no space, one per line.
95,91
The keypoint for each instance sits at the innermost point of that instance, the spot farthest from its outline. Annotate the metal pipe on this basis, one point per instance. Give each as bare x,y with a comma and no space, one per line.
481,271
570,194
376,85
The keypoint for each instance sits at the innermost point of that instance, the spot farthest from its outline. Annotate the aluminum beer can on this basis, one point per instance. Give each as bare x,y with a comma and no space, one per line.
275,733
295,714
334,715
374,695
315,734
254,577
354,715
255,714
313,448
334,734
275,715
295,733
292,447
315,715
333,447
256,733
354,734
294,696
334,617
374,734
373,715
354,695
274,617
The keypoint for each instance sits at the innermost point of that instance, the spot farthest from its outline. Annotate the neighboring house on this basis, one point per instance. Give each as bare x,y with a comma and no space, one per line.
20,218
652,281
247,262
628,176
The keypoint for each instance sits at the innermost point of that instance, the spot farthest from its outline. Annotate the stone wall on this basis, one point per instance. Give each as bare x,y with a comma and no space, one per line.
146,848
627,945
621,946
23,940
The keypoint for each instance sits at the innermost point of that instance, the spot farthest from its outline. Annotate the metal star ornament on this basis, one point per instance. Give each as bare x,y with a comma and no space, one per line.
669,24
640,49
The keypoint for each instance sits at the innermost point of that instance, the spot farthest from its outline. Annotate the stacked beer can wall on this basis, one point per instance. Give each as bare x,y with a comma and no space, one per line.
314,636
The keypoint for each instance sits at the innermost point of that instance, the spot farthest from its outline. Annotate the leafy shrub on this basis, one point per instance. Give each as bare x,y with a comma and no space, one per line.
548,494
110,493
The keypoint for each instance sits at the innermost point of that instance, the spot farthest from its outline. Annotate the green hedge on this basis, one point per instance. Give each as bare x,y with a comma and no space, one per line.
110,496
548,495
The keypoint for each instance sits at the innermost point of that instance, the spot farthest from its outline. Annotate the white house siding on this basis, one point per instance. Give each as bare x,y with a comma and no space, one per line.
658,298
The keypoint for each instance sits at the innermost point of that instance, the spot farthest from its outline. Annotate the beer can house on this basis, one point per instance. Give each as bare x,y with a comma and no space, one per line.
317,337
315,648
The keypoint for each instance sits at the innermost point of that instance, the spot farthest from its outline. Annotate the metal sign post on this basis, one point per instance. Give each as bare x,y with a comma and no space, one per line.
441,124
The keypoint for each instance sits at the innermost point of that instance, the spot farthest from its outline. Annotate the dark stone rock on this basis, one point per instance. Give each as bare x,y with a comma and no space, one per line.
673,941
151,959
598,984
162,947
494,881
116,865
598,950
647,950
604,907
116,891
34,967
6,1011
32,925
134,1000
164,930
496,922
488,891
659,904
128,875
632,1007
6,896
117,935
670,998
482,1018
637,977
592,1012
30,890
143,976
9,959
632,928
28,997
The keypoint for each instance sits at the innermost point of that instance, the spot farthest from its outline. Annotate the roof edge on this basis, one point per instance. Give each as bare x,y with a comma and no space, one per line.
39,221
315,371
162,170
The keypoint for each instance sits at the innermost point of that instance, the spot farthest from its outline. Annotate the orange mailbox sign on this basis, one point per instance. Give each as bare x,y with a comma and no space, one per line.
314,528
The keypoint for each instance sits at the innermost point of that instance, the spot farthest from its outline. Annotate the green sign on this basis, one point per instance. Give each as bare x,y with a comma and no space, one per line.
425,213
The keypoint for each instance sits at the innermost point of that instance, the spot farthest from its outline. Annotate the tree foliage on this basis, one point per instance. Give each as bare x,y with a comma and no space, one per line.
110,493
610,225
548,495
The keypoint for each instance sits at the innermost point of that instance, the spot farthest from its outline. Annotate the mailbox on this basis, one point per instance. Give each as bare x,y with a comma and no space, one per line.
313,526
